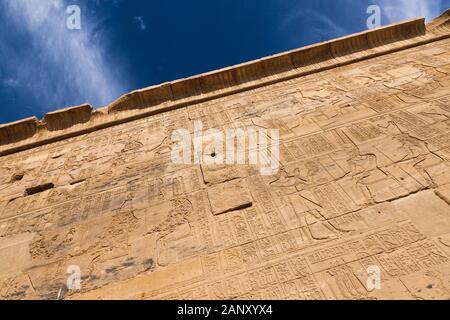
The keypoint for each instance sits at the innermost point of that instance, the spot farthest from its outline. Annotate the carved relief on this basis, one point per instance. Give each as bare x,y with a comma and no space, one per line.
363,181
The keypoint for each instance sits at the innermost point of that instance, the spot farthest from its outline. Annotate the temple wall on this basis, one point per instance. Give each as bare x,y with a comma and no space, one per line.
363,180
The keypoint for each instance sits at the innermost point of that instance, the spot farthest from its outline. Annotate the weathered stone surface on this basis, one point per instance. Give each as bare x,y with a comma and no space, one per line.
63,119
363,182
17,131
229,196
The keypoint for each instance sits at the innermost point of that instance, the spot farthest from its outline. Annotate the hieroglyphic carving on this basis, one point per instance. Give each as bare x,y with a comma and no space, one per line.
363,181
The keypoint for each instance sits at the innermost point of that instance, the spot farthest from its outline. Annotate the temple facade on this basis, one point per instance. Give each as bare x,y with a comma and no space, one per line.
95,204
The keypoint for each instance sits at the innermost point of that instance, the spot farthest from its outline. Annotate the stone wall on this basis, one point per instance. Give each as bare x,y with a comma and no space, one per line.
364,181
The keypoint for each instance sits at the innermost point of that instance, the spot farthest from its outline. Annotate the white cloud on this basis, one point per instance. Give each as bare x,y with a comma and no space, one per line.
139,21
321,22
398,10
59,64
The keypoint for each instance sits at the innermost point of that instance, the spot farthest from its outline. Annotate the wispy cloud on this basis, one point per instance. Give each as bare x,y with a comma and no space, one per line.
397,10
316,21
139,21
52,63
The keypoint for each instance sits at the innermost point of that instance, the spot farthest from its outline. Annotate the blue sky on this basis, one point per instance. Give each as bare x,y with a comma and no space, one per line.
130,44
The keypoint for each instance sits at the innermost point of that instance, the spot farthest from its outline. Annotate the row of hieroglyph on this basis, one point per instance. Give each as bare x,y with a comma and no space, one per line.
364,181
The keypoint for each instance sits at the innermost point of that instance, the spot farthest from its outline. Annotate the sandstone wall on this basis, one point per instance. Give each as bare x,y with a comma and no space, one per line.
364,181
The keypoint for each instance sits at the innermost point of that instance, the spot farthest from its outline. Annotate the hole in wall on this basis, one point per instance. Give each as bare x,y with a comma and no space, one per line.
39,189
17,177
77,182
